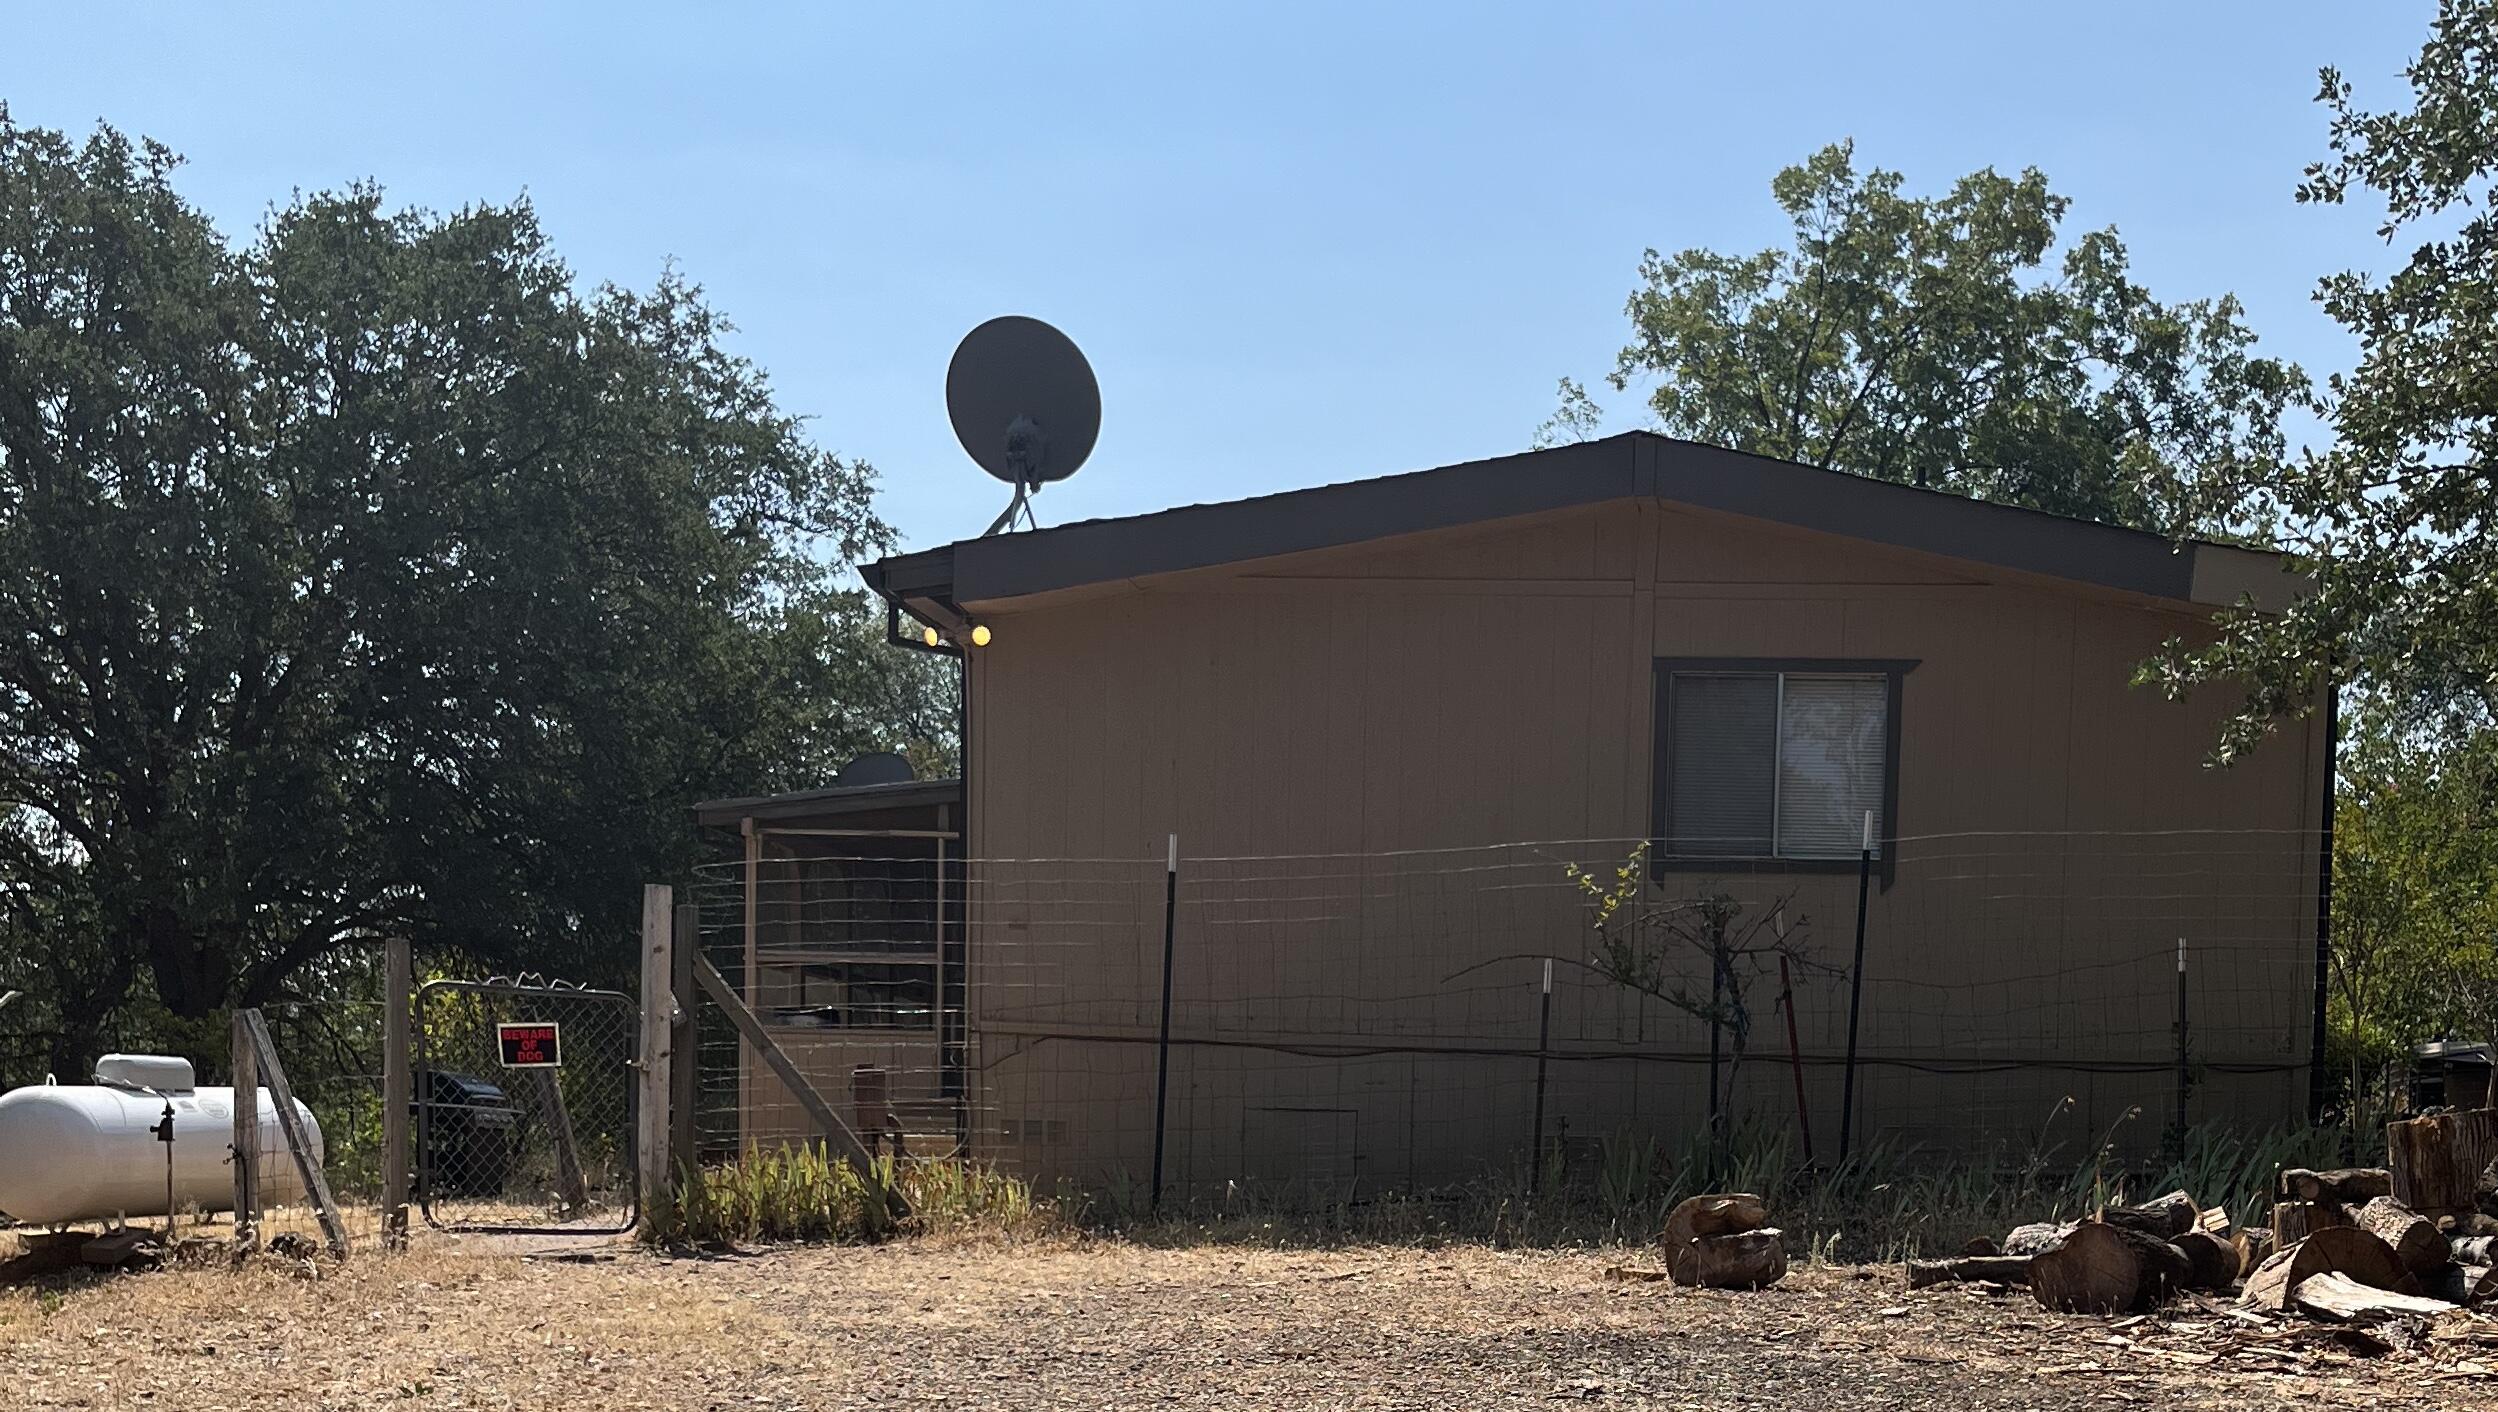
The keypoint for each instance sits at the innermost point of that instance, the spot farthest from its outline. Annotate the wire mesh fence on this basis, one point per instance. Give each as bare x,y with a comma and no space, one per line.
1344,1021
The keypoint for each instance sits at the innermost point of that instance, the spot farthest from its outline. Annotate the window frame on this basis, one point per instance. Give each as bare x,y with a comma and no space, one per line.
1894,672
782,958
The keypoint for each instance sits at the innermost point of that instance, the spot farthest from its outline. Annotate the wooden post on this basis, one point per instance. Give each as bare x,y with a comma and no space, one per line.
837,1134
398,1090
2437,1161
246,1137
746,1051
685,1049
298,1142
658,1034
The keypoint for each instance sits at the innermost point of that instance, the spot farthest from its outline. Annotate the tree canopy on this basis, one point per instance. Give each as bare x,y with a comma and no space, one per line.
1929,340
2397,516
372,575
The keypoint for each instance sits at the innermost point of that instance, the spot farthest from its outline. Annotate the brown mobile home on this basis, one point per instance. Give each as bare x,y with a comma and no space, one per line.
1381,717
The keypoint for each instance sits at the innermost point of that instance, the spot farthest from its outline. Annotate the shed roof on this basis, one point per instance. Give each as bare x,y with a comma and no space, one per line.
934,584
835,801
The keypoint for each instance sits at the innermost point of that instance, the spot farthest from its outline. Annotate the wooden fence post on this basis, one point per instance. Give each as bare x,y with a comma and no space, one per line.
651,1127
684,1049
398,1093
246,1137
298,1141
839,1138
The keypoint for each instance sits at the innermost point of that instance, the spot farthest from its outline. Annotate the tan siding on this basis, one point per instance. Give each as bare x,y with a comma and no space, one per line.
1493,685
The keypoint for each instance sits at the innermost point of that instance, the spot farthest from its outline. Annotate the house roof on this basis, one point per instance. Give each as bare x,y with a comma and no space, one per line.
934,584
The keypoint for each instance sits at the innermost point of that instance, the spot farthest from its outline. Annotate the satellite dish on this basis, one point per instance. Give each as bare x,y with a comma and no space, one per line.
876,767
1024,404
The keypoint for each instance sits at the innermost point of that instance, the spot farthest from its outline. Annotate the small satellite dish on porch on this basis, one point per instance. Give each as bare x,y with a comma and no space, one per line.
876,767
1024,404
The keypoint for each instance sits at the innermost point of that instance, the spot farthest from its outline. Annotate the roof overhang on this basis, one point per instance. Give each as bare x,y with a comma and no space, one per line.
933,585
834,802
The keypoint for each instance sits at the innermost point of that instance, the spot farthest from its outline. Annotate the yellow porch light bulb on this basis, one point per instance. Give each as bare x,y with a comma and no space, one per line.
980,635
929,636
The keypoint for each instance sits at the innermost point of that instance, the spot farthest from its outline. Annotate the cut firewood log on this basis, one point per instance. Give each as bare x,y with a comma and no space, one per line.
2436,1162
2474,1250
2294,1221
2170,1215
2341,1298
1970,1269
1739,1260
2253,1248
2462,1284
2035,1237
2350,1186
2415,1239
2099,1269
2215,1261
2336,1250
2216,1220
2485,1194
1722,1214
2469,1223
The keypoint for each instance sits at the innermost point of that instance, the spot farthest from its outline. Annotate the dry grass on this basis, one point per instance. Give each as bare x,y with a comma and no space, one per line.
1067,1322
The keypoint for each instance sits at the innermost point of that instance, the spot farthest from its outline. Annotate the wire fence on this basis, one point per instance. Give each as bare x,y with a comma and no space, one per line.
1344,1021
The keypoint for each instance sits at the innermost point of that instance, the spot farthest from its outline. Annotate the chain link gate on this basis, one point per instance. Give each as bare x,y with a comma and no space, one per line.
524,1098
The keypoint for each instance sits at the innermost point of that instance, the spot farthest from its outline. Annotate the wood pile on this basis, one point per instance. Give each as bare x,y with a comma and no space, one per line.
1724,1241
2123,1257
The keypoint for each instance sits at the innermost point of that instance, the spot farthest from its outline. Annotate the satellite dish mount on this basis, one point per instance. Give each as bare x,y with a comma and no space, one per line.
1025,406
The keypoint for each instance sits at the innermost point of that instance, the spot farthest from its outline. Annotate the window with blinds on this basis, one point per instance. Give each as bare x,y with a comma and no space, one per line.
1773,764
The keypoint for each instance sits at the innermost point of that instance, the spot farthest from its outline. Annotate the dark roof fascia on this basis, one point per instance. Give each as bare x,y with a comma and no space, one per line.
834,800
1634,464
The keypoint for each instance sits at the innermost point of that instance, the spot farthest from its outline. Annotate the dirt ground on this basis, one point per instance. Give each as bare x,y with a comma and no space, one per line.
1101,1324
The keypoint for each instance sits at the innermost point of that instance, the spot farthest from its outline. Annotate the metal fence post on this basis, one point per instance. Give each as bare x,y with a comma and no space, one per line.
398,1094
1543,1055
1162,1046
1856,988
2183,1078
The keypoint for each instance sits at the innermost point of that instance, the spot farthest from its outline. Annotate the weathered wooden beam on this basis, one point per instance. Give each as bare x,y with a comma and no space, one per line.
246,1137
837,1134
572,1184
398,1089
299,1142
685,1071
653,1052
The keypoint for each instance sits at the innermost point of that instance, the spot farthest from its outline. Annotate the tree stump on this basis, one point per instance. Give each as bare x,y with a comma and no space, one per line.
2336,1250
2100,1269
2295,1221
2413,1237
2437,1161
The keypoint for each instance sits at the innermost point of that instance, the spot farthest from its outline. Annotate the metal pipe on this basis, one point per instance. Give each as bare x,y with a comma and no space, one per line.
1856,989
1162,1045
1543,1054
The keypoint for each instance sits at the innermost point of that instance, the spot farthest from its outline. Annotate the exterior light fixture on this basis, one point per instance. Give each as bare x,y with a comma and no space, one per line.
980,635
929,636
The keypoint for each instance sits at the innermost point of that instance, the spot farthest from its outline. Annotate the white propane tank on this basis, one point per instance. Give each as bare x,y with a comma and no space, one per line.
78,1152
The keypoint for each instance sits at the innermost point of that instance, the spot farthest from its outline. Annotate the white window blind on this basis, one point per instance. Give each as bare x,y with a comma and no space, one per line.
1830,751
1773,765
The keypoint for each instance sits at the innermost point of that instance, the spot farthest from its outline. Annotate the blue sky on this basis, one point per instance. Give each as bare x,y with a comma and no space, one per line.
1302,244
